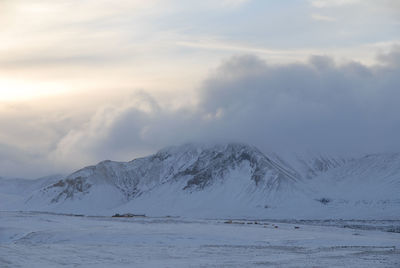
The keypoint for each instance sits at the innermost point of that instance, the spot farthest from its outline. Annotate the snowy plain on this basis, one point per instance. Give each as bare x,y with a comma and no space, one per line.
34,239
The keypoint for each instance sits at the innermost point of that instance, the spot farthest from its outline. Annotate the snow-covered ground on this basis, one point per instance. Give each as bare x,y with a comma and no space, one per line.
32,239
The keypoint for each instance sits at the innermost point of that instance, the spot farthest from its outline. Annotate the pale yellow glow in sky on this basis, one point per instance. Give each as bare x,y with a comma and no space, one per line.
12,90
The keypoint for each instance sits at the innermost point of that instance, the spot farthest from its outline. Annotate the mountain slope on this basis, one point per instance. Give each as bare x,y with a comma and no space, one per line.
189,168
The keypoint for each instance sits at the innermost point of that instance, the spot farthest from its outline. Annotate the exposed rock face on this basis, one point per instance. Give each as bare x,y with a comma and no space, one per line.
216,162
70,187
317,164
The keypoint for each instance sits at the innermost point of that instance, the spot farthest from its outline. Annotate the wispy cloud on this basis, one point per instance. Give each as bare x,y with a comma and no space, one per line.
229,46
319,17
234,3
333,3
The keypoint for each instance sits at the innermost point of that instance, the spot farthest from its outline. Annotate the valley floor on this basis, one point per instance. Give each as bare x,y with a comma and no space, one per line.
31,239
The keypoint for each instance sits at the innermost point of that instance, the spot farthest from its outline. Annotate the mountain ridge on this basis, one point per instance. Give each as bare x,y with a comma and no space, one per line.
232,179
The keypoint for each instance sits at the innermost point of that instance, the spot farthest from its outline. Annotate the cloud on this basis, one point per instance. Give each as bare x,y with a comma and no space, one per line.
234,3
332,3
392,58
163,46
319,17
394,4
82,45
318,105
112,131
372,7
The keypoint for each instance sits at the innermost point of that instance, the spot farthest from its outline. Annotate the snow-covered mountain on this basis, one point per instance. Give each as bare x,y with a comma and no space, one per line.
225,180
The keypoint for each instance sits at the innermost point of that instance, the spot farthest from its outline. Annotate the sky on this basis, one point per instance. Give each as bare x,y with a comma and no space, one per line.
86,80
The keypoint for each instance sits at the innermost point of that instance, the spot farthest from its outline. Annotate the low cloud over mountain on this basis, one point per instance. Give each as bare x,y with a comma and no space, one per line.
319,105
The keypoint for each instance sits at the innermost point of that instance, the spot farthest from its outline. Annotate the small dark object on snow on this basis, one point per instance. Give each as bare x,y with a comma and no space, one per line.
324,200
128,215
228,221
296,227
275,226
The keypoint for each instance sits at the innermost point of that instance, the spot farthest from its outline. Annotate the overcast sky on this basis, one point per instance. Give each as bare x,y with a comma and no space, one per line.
86,80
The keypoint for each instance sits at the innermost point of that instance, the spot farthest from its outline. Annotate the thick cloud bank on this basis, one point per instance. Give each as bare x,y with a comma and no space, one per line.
318,105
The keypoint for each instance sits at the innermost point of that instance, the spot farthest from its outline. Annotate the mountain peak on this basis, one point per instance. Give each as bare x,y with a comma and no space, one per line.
194,166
